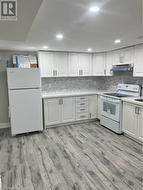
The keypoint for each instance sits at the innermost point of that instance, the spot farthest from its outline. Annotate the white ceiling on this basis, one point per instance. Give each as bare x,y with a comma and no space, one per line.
117,19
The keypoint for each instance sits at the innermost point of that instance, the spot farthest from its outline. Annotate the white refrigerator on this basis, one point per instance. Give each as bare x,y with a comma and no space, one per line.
25,102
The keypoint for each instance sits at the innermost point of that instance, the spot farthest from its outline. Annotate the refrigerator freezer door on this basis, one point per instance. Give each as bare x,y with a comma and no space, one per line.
23,78
26,111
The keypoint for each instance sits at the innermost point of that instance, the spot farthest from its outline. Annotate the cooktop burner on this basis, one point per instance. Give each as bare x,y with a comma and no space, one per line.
117,95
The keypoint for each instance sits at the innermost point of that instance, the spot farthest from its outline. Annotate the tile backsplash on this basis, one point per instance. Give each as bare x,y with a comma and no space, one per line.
89,83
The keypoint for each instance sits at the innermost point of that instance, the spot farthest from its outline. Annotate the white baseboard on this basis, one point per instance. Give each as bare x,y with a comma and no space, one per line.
4,125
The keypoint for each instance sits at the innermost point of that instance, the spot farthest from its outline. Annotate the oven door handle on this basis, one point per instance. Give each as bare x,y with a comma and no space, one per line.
110,100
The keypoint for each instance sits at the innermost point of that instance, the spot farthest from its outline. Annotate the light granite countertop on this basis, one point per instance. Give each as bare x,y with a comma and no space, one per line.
70,93
133,100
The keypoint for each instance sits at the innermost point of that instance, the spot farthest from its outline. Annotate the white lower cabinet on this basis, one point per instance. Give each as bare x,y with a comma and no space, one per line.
140,124
82,108
133,120
93,105
69,109
99,107
52,111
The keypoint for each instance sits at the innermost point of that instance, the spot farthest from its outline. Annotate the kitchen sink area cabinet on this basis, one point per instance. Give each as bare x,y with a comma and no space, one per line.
133,120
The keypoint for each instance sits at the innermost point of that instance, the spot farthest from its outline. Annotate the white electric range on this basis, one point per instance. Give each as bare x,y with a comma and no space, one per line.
112,106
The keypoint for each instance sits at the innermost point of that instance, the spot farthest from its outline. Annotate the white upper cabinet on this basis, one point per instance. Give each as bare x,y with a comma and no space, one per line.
60,63
109,63
53,64
46,63
84,64
73,64
123,56
80,64
138,65
98,65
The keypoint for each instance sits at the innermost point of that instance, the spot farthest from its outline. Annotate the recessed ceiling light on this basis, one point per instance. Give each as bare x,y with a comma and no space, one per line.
45,47
94,9
89,49
59,36
117,41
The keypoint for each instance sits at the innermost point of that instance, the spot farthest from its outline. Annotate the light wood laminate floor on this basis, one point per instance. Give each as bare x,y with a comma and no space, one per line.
75,157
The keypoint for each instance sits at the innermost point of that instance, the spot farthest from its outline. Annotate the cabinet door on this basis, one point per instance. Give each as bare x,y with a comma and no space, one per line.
52,111
46,64
85,64
109,64
73,64
117,57
130,123
93,106
60,64
138,63
128,55
123,56
99,108
140,125
98,65
68,109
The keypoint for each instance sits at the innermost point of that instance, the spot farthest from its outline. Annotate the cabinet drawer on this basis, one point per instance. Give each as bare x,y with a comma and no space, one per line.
82,109
81,116
82,99
81,104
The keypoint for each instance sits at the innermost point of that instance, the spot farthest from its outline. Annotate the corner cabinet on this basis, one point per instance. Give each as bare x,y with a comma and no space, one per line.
133,121
69,109
138,64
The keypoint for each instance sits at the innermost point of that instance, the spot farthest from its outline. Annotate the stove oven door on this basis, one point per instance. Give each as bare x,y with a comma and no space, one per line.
111,108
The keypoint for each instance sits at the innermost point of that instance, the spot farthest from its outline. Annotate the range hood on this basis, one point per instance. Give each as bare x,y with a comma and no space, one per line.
122,68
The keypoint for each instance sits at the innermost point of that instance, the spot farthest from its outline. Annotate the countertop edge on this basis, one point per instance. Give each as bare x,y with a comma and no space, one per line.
72,94
133,101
